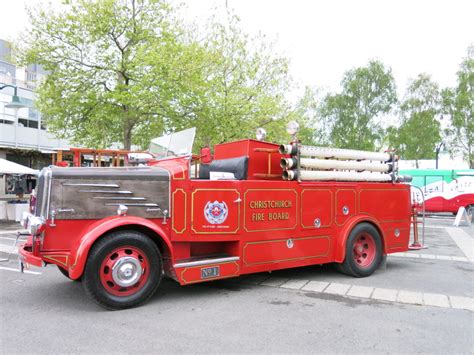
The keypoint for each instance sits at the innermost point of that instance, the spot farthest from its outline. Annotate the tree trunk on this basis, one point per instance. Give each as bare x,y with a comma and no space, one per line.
127,139
127,133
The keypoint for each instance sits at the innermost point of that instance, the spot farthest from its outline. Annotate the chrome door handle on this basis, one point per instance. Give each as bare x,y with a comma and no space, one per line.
239,200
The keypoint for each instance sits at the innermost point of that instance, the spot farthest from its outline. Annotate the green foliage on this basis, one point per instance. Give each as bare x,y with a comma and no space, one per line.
128,70
352,118
459,105
245,86
419,132
306,113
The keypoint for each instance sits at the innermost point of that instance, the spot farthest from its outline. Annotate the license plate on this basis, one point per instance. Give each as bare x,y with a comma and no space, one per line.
208,272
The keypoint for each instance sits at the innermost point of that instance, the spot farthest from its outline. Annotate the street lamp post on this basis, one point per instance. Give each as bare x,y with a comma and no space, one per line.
15,104
438,149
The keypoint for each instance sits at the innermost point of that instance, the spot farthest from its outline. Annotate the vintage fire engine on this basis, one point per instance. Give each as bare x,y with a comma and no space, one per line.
119,230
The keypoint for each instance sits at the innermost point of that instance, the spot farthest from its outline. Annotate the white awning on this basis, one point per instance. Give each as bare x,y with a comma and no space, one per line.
9,167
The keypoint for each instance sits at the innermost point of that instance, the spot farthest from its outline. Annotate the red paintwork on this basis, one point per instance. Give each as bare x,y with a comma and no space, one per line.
363,251
265,157
106,270
440,204
270,224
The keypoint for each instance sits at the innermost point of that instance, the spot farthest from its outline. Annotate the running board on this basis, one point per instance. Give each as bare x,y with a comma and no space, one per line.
209,261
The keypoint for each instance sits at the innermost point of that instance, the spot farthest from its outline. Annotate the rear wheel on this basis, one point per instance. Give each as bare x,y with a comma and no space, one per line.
123,270
363,251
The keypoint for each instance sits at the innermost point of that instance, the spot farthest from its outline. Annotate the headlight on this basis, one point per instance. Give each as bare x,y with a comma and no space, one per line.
36,225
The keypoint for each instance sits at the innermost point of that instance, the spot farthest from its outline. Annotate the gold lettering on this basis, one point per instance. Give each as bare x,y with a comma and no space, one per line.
270,204
258,217
278,216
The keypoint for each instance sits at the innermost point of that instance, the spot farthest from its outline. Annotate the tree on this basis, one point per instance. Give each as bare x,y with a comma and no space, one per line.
419,131
245,86
93,53
353,118
306,113
128,70
458,103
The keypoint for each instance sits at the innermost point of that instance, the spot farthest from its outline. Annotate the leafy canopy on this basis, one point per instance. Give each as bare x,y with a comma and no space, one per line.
419,133
128,70
353,117
459,105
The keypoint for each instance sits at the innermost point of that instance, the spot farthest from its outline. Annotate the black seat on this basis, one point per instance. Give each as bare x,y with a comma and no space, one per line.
236,166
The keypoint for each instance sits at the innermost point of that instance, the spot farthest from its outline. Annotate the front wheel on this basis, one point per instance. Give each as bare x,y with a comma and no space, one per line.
363,251
123,270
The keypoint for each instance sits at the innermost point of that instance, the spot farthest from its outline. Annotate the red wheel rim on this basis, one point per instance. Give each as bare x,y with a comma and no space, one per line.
124,271
364,250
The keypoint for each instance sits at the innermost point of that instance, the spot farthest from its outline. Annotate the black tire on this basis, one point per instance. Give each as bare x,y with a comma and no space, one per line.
66,273
109,295
354,263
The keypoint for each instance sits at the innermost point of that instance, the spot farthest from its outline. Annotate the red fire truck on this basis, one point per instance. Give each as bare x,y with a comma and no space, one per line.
119,230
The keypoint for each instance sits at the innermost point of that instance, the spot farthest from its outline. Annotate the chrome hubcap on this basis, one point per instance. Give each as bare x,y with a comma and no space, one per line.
126,271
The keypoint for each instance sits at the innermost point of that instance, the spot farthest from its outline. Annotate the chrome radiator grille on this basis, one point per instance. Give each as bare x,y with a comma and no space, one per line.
95,193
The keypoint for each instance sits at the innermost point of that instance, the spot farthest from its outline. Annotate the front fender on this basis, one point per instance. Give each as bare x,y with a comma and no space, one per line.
340,252
80,249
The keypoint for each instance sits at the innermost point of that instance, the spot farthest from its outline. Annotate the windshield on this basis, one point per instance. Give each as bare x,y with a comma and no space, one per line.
174,144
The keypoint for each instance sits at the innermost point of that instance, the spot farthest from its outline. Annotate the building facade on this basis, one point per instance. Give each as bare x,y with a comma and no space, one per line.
23,136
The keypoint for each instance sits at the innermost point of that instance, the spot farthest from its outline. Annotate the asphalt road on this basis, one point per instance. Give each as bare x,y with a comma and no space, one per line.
265,313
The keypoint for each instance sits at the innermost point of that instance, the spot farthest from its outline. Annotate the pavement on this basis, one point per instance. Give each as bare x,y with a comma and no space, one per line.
423,302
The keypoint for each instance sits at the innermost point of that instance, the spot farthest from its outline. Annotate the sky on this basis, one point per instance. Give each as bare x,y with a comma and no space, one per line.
323,39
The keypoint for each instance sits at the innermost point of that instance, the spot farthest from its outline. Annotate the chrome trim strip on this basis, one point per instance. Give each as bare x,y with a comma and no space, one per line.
133,204
48,180
207,262
108,192
90,185
119,198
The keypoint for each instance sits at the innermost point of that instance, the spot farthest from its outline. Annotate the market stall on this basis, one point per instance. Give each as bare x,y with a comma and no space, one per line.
12,208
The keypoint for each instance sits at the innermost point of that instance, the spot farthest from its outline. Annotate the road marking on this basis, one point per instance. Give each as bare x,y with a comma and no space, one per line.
385,294
463,240
274,281
7,238
410,297
360,291
436,300
337,289
16,270
377,293
295,284
13,249
431,256
15,231
462,302
315,286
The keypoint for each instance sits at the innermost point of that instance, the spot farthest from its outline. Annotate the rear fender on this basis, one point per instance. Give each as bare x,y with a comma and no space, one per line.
80,250
340,251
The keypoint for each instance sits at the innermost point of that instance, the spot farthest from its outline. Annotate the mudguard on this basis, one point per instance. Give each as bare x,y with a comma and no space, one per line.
340,251
80,249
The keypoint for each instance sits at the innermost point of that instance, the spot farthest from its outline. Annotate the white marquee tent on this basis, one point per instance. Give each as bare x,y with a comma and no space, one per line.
9,167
